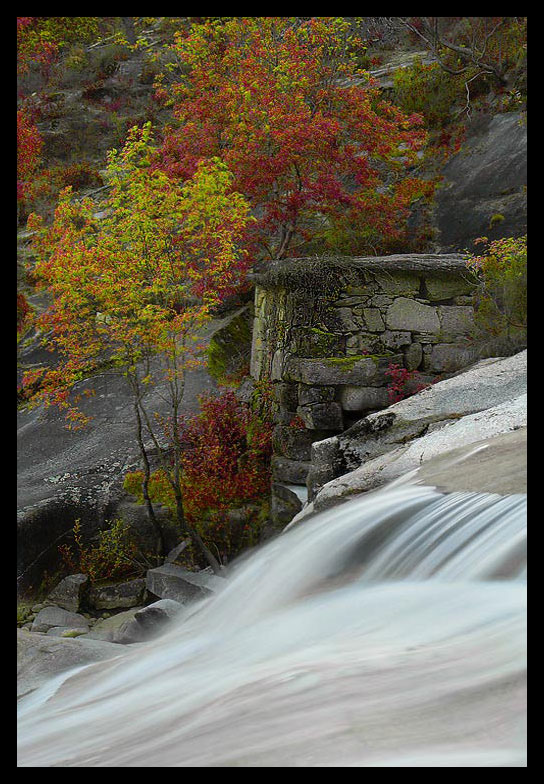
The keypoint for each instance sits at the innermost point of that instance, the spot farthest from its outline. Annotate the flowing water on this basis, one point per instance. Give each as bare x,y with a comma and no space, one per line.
387,632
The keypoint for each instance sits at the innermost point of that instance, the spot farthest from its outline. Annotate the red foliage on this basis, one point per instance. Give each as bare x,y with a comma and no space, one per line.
226,455
23,311
29,145
403,383
306,142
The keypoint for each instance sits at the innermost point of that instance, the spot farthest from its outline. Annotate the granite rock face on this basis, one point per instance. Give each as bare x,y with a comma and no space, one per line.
484,188
488,384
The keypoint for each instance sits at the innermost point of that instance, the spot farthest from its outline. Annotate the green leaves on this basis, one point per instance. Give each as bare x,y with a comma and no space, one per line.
141,281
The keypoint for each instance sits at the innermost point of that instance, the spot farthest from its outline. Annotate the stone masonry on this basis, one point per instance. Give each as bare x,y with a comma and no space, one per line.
327,330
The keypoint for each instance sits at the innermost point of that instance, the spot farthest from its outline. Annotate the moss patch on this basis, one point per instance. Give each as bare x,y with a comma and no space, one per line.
230,349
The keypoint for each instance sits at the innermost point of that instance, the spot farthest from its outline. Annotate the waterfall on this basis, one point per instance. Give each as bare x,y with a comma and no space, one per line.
386,632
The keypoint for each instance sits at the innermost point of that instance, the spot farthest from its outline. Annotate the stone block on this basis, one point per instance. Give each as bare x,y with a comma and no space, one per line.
295,442
286,395
448,358
407,314
277,365
341,371
447,288
327,463
308,395
347,320
397,283
363,398
373,320
413,356
290,471
396,339
322,416
455,319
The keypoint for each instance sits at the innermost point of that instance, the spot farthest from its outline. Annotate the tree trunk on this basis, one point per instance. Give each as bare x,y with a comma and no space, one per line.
195,537
161,546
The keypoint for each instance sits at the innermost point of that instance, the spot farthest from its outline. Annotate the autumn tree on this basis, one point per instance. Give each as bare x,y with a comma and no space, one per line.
131,291
323,160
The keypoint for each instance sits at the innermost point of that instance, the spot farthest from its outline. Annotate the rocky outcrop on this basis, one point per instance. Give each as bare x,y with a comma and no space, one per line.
484,187
471,409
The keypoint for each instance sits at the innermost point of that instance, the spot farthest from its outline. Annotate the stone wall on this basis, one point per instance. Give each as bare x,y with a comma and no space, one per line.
327,330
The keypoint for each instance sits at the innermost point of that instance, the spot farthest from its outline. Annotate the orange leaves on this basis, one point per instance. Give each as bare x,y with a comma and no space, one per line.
141,281
272,97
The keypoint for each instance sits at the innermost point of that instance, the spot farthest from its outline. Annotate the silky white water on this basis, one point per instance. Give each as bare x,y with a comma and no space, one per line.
387,632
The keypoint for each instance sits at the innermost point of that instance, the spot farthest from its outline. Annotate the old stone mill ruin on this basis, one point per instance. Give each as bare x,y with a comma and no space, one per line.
327,331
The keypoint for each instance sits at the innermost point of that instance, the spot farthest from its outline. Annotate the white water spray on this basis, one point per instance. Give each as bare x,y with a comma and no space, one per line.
387,632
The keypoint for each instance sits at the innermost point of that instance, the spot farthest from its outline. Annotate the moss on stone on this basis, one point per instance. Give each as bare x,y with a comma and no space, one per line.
349,362
229,350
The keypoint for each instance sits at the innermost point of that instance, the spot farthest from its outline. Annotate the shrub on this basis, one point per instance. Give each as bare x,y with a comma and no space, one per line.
23,313
403,383
226,465
116,554
428,90
500,299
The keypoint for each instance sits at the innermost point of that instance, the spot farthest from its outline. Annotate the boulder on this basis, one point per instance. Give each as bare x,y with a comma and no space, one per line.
170,581
147,622
118,596
71,592
106,628
40,657
56,616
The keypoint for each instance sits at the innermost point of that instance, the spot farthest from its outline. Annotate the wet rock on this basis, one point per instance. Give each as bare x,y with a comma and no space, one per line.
174,582
148,622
